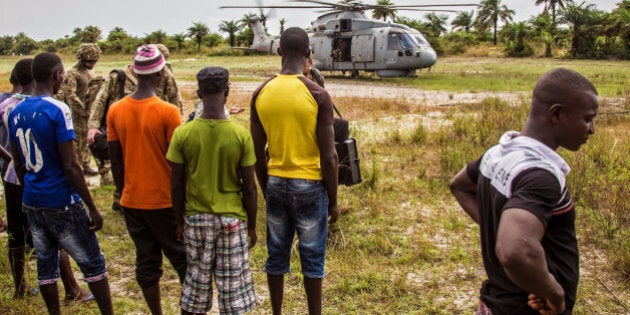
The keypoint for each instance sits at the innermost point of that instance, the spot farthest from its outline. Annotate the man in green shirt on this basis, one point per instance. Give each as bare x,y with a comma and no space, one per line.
214,200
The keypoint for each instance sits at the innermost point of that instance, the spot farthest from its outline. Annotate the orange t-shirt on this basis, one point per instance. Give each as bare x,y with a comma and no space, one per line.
144,129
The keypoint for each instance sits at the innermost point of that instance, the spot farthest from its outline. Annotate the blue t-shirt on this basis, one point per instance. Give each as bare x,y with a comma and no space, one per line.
37,125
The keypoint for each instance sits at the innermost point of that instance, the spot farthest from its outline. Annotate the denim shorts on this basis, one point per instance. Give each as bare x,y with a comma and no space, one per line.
64,228
296,205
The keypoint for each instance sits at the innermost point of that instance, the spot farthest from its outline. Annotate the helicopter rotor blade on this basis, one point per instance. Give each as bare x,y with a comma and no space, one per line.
431,10
431,5
272,7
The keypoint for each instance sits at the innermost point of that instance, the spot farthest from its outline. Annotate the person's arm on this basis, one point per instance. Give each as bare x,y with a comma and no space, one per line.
17,163
523,258
260,141
178,196
69,90
5,155
118,166
329,163
250,200
465,191
97,109
74,174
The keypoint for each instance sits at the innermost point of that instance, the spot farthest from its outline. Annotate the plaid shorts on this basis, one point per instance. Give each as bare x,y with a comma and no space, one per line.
217,246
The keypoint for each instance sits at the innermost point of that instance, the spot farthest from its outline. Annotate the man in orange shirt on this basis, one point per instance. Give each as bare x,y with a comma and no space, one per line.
139,129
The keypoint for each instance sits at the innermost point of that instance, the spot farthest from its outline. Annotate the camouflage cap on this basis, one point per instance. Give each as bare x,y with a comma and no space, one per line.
88,51
164,50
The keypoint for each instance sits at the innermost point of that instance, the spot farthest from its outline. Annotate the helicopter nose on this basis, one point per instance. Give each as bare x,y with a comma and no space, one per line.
428,57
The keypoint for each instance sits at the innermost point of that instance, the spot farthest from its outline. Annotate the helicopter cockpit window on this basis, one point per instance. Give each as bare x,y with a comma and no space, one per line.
422,40
401,41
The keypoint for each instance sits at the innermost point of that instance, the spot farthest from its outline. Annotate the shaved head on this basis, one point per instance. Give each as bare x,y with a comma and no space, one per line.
559,86
294,41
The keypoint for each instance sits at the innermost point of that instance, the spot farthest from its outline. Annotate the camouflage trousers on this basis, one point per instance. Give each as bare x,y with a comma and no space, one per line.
80,143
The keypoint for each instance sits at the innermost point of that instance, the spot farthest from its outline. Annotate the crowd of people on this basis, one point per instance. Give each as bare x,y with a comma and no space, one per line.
188,190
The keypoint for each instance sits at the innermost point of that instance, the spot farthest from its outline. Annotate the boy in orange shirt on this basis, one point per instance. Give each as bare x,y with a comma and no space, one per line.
139,129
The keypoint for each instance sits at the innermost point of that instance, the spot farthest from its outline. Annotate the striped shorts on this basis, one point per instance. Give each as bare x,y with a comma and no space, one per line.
217,246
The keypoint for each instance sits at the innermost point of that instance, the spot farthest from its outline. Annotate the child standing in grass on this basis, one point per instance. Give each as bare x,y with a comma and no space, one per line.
214,200
517,193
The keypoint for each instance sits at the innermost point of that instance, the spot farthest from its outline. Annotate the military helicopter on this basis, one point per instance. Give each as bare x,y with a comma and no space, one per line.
346,40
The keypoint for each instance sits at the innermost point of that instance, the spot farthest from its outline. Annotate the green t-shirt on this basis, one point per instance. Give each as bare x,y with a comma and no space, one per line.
213,152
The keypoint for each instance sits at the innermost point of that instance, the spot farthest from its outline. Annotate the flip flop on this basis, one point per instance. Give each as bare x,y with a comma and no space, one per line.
80,298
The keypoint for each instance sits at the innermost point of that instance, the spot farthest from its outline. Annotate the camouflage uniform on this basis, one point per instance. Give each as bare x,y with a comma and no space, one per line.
167,90
73,92
168,84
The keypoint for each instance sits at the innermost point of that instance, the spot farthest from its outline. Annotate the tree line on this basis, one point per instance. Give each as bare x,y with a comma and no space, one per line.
578,28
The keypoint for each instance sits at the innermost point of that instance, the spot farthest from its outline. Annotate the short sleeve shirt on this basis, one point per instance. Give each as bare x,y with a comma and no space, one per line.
144,129
290,108
37,125
539,192
213,152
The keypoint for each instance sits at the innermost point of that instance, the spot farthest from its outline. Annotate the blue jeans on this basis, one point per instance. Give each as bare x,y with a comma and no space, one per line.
65,228
296,205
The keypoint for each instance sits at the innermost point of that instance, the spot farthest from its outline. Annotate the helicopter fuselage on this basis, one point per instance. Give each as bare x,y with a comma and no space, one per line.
349,41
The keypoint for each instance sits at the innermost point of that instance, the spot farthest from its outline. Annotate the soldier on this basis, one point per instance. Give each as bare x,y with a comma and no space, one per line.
109,94
73,92
168,84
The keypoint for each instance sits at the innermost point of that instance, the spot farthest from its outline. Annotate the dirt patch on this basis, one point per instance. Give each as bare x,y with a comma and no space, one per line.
408,94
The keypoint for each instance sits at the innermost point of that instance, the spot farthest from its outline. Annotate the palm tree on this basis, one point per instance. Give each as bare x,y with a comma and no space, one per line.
436,23
490,12
91,34
383,11
198,31
586,24
619,25
553,5
542,29
464,20
179,39
231,28
516,33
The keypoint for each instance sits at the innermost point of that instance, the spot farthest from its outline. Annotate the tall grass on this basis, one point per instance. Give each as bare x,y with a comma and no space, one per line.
402,244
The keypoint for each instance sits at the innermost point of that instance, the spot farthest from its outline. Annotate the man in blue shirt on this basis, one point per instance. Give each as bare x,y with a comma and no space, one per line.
55,194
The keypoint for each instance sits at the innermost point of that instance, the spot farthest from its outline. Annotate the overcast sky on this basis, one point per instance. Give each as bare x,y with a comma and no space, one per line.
46,19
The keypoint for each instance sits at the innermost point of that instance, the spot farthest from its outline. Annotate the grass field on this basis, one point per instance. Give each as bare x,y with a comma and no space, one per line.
402,245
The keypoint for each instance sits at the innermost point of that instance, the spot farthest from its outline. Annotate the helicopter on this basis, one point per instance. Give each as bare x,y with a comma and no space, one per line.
346,40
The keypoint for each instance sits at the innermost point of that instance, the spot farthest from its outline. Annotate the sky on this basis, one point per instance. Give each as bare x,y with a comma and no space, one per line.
46,19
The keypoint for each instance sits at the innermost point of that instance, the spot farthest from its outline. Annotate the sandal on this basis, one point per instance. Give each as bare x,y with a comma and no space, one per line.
84,296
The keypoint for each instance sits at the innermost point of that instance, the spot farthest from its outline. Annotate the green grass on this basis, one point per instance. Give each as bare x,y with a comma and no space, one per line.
402,244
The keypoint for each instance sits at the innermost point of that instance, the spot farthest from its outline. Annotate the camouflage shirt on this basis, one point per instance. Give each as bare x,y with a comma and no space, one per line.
74,89
167,90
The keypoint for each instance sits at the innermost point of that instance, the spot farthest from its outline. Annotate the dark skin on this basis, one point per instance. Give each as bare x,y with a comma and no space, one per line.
71,166
293,63
213,108
74,175
146,89
520,232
